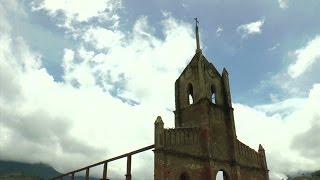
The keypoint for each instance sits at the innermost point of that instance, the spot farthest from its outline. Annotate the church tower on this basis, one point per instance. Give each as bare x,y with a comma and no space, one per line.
204,139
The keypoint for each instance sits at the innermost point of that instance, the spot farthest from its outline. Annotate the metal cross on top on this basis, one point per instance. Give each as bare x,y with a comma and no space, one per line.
197,22
197,35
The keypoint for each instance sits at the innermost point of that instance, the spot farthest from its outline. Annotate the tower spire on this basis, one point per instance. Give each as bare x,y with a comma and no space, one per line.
197,35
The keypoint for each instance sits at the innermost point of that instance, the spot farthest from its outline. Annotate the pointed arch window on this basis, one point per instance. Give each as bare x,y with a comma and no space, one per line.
190,94
213,94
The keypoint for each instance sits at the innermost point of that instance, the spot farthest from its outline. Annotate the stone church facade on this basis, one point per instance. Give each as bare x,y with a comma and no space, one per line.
204,139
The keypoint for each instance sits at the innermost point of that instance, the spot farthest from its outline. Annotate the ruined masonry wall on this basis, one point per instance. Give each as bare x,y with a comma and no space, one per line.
247,156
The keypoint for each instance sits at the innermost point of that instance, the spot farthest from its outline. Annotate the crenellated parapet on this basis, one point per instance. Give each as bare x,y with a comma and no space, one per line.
181,136
248,156
182,139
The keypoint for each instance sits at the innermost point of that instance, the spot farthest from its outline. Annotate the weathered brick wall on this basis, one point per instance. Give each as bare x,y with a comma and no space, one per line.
195,115
247,156
184,140
220,138
171,166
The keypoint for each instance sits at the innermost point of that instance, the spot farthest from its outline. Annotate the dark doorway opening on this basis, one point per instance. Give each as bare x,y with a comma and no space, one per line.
184,176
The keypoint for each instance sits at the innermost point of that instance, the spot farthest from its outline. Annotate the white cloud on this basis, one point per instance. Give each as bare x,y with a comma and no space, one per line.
80,116
58,124
219,31
251,28
274,47
273,97
299,76
80,11
278,127
144,53
68,59
283,4
102,37
305,58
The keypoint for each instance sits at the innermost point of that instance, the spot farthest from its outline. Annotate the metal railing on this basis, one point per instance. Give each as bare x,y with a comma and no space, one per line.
105,166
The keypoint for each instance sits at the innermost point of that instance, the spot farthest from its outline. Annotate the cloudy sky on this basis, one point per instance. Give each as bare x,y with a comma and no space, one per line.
83,80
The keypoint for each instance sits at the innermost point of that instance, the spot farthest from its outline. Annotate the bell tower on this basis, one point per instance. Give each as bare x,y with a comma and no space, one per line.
202,98
200,83
204,139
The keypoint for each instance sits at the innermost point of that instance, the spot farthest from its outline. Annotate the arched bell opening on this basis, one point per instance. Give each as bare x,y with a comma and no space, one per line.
222,175
213,94
190,94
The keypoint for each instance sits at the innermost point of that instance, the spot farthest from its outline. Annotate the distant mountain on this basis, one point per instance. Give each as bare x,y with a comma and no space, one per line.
306,176
10,170
19,176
